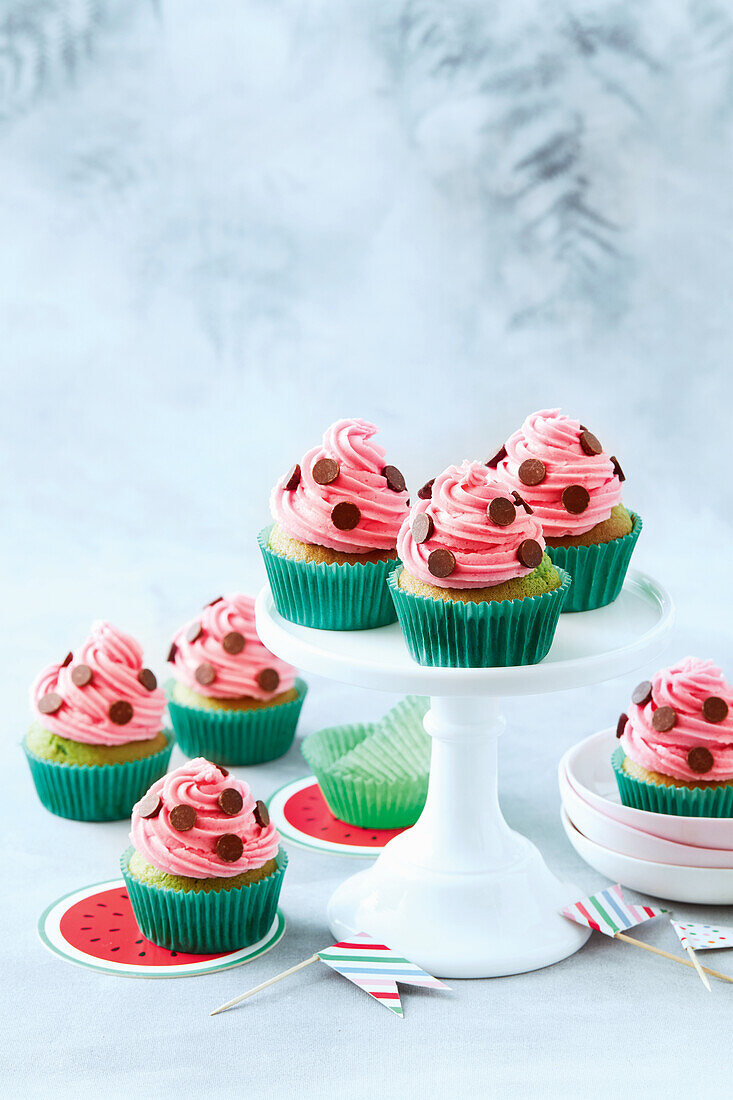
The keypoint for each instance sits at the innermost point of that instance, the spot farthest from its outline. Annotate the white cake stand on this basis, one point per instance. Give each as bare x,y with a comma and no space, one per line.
460,893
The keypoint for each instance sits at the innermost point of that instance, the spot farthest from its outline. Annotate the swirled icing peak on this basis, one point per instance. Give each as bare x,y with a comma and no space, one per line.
473,518
680,723
562,471
201,822
102,694
342,494
219,654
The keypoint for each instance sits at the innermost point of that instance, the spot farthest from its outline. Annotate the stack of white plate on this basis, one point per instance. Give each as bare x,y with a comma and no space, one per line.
678,858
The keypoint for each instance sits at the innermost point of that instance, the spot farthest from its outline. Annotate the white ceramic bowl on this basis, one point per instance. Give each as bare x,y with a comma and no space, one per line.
699,885
587,766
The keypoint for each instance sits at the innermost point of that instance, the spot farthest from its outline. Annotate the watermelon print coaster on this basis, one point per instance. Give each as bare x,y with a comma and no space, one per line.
95,927
302,817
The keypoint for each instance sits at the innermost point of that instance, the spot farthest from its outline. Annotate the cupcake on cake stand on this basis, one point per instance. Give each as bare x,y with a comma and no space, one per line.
460,893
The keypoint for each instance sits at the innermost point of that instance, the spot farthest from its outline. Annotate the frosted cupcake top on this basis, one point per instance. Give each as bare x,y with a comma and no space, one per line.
219,654
201,822
680,723
341,494
562,471
102,694
468,530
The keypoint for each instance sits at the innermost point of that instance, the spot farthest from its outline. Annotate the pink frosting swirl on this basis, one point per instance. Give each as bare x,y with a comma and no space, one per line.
684,687
485,553
305,511
555,440
199,784
110,662
237,672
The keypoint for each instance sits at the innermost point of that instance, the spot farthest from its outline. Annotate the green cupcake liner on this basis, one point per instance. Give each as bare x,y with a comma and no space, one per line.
372,803
491,634
598,571
103,792
678,801
329,597
205,923
236,737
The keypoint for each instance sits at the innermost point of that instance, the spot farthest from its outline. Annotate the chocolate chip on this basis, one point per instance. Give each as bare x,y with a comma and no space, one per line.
617,468
502,512
172,652
194,631
575,499
233,643
642,693
492,463
147,678
621,724
519,500
212,602
427,490
714,709
67,659
120,712
529,553
293,479
50,703
700,760
532,471
664,719
395,480
589,443
81,675
262,817
325,471
230,801
229,848
150,805
441,563
268,679
223,771
345,516
205,673
422,527
182,818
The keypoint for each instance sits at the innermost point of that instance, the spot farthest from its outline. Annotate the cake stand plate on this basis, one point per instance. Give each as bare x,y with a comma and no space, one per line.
460,893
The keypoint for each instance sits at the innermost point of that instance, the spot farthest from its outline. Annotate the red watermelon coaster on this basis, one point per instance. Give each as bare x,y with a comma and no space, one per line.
302,817
96,927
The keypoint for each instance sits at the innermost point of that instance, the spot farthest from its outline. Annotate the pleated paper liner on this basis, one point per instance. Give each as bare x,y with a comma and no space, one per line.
677,801
598,571
329,597
236,737
205,922
101,792
491,634
392,793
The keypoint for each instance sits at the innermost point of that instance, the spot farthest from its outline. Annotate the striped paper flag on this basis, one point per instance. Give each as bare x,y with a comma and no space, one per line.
703,937
609,912
376,969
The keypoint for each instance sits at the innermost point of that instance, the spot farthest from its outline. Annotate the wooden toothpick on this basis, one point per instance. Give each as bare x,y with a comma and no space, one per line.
674,958
264,985
698,968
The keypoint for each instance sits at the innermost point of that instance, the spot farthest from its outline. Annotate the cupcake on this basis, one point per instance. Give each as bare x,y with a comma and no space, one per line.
476,588
676,743
574,489
333,543
205,868
97,741
231,700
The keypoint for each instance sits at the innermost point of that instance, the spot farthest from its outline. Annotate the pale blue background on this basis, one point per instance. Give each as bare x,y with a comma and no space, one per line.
224,225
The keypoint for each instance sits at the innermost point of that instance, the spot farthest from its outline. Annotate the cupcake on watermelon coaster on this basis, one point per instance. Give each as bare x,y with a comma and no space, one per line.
97,741
232,700
574,489
476,589
676,743
205,868
332,547
374,775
